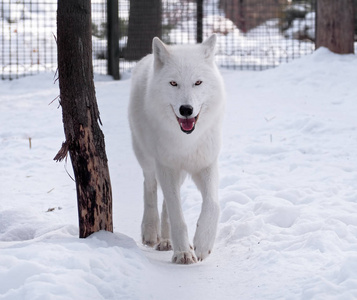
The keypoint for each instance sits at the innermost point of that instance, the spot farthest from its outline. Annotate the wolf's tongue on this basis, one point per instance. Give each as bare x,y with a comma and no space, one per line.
187,124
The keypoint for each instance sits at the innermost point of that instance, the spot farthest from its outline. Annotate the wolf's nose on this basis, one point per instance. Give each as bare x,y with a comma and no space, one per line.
186,110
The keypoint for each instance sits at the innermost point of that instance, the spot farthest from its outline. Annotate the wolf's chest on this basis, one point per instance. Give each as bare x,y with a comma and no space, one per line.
189,155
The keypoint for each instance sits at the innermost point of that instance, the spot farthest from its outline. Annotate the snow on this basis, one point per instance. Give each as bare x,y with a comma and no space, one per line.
288,169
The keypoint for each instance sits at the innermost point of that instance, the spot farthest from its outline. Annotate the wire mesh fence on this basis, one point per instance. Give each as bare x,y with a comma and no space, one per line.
27,41
99,36
28,37
252,34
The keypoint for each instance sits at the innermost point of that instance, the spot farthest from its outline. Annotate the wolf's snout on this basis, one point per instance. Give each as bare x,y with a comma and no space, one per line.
186,110
188,122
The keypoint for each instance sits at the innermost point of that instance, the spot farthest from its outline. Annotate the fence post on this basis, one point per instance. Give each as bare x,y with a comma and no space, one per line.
199,32
113,38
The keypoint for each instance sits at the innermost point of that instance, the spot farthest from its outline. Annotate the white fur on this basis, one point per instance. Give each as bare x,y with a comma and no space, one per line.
166,154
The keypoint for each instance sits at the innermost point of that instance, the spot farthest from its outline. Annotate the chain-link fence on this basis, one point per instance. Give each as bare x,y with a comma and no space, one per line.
28,37
252,34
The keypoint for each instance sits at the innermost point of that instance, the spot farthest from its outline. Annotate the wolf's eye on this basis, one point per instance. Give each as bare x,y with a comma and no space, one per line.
198,82
173,83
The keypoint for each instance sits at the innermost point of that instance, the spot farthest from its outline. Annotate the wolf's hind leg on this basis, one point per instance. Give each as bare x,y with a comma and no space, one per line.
165,242
150,226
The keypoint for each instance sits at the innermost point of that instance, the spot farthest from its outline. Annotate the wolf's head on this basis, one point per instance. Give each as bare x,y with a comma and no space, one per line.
188,84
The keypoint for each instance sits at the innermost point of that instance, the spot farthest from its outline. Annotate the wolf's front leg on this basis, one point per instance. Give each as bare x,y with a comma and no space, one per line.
150,226
165,242
170,183
207,182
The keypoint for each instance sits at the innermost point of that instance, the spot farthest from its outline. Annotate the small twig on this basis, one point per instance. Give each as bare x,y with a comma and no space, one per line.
54,37
54,77
54,100
269,119
65,167
30,145
63,154
53,208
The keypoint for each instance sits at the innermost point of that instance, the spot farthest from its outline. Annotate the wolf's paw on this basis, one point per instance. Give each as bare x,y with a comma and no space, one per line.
164,245
150,239
150,233
203,243
201,253
184,257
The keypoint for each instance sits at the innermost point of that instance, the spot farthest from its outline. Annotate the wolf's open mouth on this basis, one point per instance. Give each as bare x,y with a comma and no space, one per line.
187,125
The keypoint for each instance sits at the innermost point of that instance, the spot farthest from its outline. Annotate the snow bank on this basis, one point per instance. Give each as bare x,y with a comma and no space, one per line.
58,265
288,227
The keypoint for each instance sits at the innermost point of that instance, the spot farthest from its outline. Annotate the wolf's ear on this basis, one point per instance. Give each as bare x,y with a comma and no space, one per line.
210,46
160,52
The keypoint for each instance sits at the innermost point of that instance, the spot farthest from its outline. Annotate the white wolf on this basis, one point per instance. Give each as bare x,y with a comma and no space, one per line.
175,115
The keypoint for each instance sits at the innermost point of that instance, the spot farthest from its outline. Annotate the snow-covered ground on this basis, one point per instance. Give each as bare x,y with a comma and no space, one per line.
288,195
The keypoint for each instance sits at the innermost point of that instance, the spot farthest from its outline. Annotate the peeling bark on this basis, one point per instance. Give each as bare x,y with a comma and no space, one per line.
84,138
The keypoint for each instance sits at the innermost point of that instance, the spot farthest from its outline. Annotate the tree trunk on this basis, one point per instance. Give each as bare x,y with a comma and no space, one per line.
84,138
144,24
335,25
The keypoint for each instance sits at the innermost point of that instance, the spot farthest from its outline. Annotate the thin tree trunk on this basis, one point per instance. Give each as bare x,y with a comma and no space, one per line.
144,24
335,25
84,138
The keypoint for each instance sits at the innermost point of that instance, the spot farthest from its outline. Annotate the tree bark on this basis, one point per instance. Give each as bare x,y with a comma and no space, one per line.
144,24
84,138
335,25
